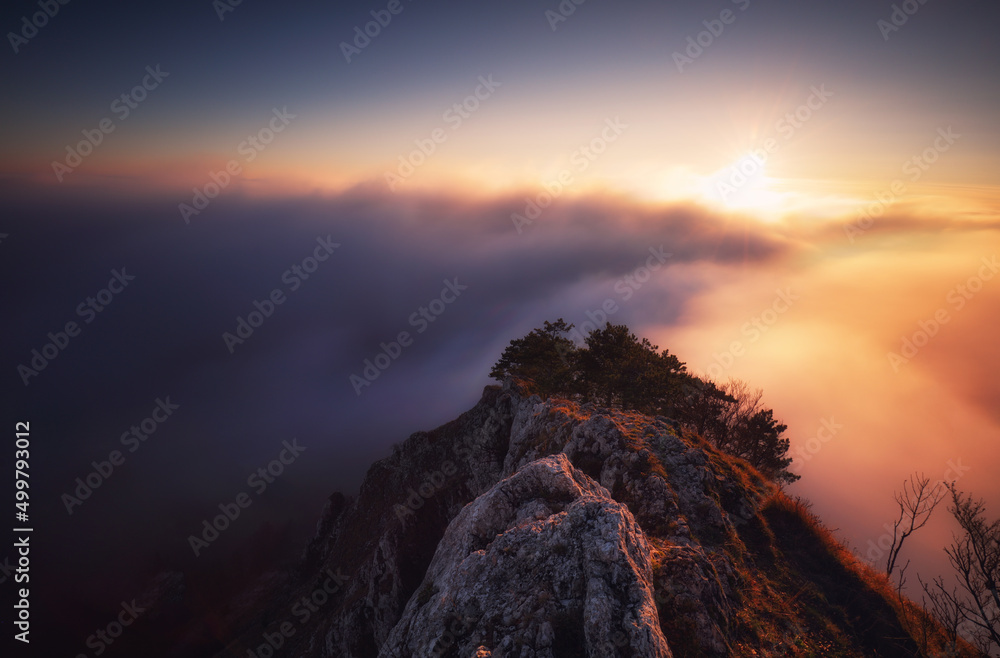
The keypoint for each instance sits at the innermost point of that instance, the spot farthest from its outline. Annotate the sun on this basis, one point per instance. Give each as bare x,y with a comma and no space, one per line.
738,179
743,184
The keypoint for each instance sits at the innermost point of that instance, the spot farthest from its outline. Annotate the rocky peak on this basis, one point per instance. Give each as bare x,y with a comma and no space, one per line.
536,529
546,563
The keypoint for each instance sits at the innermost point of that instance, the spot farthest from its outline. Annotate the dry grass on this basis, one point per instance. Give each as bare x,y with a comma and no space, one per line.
799,591
835,583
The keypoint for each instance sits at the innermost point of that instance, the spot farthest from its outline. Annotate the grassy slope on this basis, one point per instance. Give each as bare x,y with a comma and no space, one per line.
817,598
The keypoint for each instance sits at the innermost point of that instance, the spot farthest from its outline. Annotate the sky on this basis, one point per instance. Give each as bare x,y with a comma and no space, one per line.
800,195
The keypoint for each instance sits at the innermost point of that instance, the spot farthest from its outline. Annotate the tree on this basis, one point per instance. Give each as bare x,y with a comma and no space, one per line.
702,406
615,368
945,607
916,502
620,370
759,440
734,420
545,357
974,554
743,403
971,606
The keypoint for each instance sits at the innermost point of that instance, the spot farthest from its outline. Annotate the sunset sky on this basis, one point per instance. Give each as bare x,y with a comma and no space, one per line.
820,180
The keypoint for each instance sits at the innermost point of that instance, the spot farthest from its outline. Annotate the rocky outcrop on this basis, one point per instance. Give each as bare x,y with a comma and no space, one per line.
385,538
531,528
544,564
647,506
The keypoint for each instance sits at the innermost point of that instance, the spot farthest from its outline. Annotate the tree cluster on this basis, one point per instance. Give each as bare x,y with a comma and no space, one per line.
968,605
616,369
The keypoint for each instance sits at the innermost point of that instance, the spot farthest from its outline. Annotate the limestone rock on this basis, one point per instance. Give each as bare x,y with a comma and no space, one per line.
549,529
544,564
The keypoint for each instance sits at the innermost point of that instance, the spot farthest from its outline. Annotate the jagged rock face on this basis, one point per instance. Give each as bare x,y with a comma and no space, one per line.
545,564
665,499
541,576
688,504
386,537
530,528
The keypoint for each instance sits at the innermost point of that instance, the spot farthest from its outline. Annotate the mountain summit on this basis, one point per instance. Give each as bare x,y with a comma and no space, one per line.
546,528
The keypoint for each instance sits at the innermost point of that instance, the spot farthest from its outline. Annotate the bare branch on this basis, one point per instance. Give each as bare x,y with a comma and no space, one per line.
947,607
975,557
917,502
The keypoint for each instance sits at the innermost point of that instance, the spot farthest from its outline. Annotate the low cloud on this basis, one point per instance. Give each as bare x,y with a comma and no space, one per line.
292,376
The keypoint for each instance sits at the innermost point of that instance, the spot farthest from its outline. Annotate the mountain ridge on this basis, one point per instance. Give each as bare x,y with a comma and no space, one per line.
530,527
